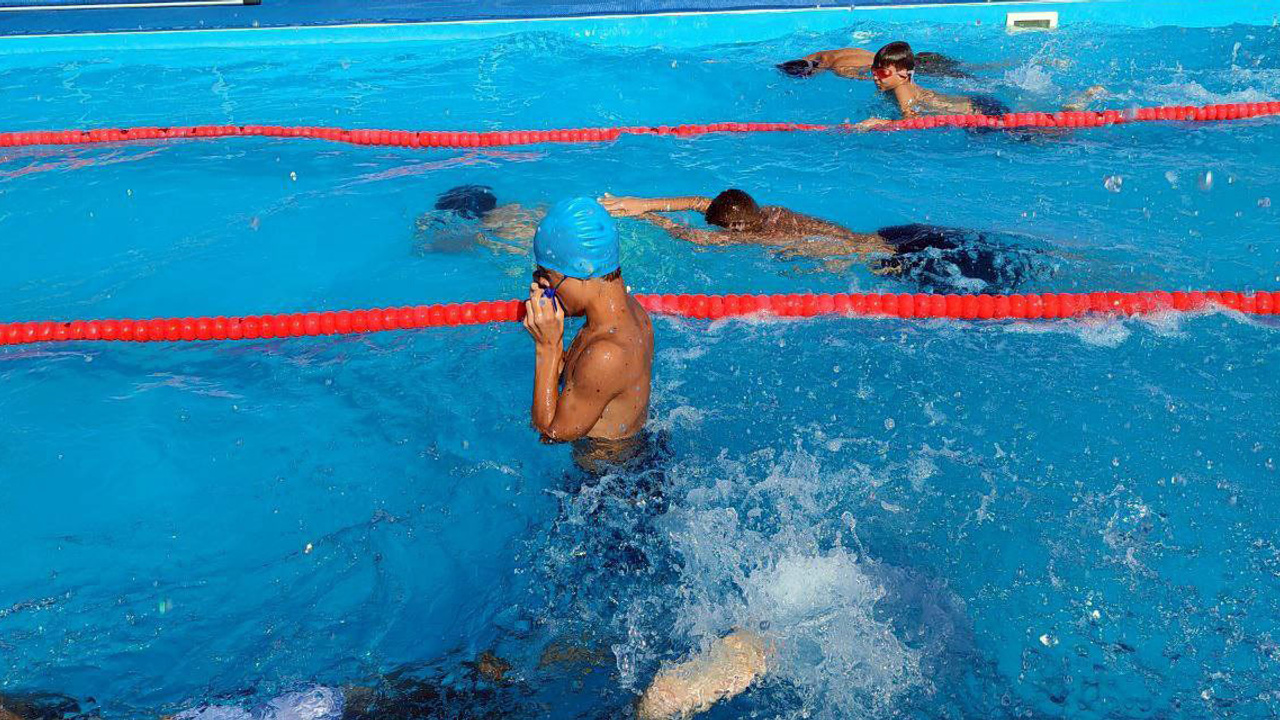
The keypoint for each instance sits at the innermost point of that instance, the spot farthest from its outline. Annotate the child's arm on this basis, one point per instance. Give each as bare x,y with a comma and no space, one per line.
681,231
906,101
906,98
686,233
634,206
845,62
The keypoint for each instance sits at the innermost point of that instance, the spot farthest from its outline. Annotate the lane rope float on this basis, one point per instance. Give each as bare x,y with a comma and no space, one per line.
1043,306
508,138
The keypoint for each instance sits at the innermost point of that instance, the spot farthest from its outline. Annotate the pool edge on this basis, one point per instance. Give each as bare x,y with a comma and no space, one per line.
673,29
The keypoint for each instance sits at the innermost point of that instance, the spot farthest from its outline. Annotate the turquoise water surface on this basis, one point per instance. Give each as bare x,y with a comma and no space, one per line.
931,520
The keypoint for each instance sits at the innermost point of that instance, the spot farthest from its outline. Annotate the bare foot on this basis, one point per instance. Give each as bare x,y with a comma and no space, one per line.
732,665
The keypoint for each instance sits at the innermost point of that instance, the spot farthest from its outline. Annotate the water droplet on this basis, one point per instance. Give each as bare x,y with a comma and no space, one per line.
1113,183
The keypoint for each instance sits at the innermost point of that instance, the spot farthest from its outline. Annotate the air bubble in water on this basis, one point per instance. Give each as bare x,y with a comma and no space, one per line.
1205,183
1172,178
1264,202
1113,183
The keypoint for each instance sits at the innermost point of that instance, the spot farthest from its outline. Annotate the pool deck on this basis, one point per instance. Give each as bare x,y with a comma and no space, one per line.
674,23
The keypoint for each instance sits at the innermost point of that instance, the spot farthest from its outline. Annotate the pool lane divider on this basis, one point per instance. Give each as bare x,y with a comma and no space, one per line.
508,138
1045,306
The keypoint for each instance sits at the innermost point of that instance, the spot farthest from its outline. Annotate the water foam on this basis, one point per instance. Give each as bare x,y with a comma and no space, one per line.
774,555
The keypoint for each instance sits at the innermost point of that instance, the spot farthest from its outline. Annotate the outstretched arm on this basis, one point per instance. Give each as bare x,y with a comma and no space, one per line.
845,62
634,206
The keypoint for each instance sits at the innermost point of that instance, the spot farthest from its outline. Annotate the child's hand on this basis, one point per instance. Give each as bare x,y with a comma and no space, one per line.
872,124
799,68
623,206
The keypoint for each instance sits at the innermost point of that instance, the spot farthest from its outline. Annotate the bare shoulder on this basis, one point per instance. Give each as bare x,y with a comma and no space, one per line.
600,355
604,365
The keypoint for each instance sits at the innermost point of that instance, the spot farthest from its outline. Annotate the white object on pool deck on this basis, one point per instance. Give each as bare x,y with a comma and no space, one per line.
1031,21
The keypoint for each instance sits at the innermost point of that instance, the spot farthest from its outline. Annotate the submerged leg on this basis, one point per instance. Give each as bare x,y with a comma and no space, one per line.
732,664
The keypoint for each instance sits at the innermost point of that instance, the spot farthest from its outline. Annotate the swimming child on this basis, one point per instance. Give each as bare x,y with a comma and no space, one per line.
467,216
937,259
894,67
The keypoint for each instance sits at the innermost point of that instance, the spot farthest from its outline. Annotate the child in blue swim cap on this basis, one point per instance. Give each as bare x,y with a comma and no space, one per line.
599,388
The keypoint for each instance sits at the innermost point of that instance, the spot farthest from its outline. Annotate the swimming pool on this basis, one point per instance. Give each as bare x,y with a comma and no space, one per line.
936,520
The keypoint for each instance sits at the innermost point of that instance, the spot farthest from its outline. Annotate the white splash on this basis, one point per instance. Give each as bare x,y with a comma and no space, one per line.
771,555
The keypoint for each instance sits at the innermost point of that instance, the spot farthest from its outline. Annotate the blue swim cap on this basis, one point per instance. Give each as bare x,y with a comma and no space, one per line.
577,238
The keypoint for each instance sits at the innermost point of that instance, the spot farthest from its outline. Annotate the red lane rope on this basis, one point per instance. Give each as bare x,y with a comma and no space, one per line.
504,138
967,307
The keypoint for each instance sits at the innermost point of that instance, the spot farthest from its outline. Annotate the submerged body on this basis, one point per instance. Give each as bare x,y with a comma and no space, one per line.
467,216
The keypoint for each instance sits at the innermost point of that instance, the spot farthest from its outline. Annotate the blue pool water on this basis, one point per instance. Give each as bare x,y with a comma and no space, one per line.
932,520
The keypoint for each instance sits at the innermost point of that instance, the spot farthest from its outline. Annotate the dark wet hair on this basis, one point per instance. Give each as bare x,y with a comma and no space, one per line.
732,206
896,55
467,201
